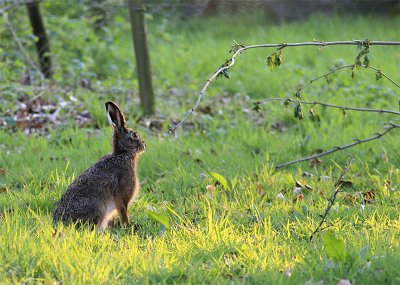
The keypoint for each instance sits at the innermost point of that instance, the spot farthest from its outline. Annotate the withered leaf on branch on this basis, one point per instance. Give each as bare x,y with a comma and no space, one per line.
315,161
346,183
298,111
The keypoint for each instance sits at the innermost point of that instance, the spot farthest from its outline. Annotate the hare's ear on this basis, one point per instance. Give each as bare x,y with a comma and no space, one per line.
114,115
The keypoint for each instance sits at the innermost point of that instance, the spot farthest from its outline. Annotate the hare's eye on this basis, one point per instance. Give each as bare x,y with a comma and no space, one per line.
134,135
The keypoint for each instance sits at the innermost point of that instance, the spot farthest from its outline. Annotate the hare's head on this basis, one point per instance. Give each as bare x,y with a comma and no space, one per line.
125,140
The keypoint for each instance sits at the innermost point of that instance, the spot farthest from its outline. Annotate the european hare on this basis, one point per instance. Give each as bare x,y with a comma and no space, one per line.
108,187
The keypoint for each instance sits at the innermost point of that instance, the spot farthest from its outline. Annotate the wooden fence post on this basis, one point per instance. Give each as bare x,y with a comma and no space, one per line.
143,67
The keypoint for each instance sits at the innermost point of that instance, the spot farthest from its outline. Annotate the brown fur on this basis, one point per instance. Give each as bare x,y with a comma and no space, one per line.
110,185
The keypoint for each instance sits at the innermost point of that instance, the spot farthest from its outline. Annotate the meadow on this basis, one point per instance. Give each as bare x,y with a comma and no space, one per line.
251,224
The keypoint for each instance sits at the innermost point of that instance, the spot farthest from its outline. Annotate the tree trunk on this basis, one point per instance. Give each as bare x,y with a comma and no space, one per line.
143,67
42,43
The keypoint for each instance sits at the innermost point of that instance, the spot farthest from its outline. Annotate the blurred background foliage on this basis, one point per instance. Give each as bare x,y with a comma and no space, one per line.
92,55
88,37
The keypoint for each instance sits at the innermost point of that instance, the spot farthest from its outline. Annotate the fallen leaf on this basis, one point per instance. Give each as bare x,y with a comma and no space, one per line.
311,282
297,190
298,198
28,123
325,178
304,187
280,127
205,110
299,184
3,189
307,174
2,172
308,187
155,125
227,259
85,83
260,190
386,184
369,196
210,187
344,282
349,199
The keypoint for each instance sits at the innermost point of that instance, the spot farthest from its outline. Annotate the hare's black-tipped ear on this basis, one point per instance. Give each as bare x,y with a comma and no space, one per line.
114,115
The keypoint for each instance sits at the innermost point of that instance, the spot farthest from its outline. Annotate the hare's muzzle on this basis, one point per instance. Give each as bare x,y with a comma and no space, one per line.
143,145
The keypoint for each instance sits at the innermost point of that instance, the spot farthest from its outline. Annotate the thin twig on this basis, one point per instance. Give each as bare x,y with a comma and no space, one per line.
347,66
384,75
20,45
333,197
229,63
329,105
172,129
325,75
358,141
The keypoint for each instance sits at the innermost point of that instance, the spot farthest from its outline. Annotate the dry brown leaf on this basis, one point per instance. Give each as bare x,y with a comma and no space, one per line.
210,187
315,161
280,127
299,184
386,184
308,187
303,186
260,190
205,110
369,196
298,198
349,199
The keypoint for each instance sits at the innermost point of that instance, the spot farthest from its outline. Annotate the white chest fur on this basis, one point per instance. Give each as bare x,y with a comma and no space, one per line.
109,214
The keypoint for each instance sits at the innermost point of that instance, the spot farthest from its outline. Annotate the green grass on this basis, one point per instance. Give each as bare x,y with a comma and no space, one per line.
242,233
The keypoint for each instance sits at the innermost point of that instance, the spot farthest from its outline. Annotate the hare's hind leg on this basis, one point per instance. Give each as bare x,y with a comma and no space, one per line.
111,223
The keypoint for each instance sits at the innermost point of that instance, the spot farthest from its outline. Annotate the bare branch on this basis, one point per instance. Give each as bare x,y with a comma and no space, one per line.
330,106
240,49
390,127
333,197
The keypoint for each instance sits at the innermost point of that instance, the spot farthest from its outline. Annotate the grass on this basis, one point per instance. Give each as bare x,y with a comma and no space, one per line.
241,232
